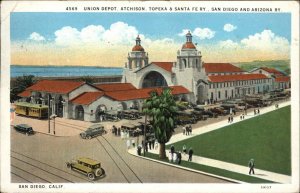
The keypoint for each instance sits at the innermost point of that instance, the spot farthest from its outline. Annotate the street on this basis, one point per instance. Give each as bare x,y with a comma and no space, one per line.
42,158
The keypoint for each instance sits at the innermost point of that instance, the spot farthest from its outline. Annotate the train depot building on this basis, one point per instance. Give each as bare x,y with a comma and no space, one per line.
189,78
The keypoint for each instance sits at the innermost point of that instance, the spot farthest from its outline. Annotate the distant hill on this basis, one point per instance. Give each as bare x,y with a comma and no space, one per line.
281,65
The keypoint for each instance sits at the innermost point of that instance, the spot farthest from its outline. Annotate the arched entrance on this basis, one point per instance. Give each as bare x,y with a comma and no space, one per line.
100,112
122,106
79,113
200,94
154,79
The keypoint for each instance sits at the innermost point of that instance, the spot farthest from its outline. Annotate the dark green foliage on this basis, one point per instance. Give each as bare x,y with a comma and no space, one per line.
20,84
162,108
266,138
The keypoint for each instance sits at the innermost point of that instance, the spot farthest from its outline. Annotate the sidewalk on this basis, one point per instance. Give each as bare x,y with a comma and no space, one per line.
271,176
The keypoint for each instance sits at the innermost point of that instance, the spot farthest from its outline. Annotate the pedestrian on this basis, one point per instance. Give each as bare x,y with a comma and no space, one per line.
156,144
150,146
128,143
184,149
175,157
190,154
186,130
251,166
243,116
113,129
146,146
139,150
191,129
179,158
254,111
258,112
172,151
234,111
119,131
153,141
183,129
231,119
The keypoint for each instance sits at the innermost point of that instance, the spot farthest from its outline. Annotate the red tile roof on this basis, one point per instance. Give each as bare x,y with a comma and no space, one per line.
87,98
272,70
115,87
221,68
236,77
282,79
164,65
188,45
142,93
25,93
55,86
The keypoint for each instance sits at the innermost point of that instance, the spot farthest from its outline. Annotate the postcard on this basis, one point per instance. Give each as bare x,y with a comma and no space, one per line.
148,96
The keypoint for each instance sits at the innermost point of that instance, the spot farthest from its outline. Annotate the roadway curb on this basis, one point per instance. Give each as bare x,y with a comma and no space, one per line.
188,169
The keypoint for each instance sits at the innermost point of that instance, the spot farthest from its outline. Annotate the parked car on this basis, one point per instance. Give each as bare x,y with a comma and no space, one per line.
92,131
183,118
111,116
89,167
24,128
210,114
126,115
220,111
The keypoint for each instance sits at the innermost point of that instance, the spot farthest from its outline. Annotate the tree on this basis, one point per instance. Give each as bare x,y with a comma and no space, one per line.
19,85
162,109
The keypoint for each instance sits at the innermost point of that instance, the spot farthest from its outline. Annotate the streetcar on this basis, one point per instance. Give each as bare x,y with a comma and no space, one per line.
31,110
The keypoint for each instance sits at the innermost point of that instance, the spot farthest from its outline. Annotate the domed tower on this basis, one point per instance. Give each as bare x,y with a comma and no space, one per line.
188,69
137,58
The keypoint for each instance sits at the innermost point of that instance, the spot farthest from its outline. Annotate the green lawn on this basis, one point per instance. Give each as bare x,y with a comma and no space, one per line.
266,138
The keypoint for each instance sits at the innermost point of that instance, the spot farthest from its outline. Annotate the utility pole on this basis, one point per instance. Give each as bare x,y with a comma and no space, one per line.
49,113
145,127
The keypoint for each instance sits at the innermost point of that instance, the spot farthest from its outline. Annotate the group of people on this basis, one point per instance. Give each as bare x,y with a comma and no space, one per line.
242,117
256,111
230,119
187,130
116,131
176,156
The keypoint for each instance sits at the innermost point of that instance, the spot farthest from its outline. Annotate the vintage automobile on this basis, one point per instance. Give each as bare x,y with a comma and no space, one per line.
183,118
24,128
126,114
92,131
89,167
111,116
133,129
219,111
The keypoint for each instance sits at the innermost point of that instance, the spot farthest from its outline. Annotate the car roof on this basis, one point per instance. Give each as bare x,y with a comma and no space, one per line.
88,160
95,126
24,125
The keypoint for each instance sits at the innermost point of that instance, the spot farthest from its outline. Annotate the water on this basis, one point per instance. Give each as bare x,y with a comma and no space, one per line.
63,71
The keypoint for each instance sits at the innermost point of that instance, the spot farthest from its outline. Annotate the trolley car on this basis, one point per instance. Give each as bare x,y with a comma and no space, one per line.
31,110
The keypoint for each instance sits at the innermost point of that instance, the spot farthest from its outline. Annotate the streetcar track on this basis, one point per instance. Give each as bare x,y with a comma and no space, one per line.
113,160
53,167
30,173
122,159
20,177
42,169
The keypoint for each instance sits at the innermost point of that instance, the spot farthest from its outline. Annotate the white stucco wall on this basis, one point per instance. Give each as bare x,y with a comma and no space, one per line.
80,90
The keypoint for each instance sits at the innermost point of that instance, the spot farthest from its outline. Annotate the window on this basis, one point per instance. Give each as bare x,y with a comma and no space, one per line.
219,94
225,93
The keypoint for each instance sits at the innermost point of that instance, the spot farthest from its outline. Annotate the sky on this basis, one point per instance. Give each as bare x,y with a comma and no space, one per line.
104,39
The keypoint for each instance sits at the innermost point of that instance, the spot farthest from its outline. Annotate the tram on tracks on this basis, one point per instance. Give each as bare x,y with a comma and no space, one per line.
32,110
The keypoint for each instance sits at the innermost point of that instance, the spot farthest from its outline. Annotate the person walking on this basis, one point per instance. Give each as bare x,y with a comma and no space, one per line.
179,158
254,111
128,143
183,130
243,116
258,111
191,129
119,131
184,149
172,151
190,154
153,142
231,119
251,166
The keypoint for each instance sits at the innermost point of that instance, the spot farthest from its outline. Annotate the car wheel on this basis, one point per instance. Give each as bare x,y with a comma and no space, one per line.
98,172
102,172
89,137
91,176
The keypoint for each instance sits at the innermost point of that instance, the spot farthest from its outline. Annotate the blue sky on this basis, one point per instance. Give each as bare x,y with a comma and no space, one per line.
153,25
106,38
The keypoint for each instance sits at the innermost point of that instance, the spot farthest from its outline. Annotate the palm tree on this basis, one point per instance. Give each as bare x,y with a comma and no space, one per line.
162,109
